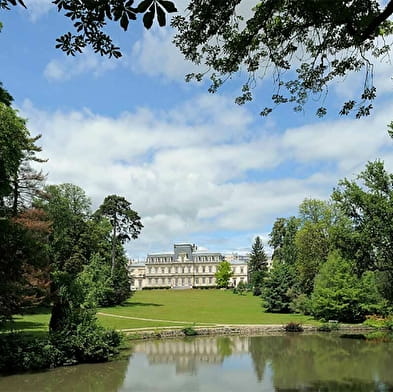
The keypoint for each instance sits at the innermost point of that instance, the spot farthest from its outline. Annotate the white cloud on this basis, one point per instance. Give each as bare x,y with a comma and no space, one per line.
66,67
204,167
38,8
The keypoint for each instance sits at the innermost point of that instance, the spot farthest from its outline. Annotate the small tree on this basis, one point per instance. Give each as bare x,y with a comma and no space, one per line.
223,274
257,266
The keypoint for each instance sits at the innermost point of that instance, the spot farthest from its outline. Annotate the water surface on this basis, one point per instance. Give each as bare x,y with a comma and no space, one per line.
291,362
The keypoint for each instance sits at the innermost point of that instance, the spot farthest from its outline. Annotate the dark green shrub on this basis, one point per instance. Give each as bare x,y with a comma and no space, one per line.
293,327
189,331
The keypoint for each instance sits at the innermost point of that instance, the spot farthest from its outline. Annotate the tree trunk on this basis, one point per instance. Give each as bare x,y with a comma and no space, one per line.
114,247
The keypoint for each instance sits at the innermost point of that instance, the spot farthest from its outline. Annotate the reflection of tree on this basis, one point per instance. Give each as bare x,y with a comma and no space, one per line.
322,362
257,347
224,346
102,377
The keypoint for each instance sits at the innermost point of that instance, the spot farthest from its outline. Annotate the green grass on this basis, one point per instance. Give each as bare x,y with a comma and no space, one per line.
198,307
192,307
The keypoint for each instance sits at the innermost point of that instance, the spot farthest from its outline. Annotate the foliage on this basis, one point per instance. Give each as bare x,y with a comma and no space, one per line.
312,241
240,289
329,327
19,352
278,285
341,295
301,304
189,331
90,21
293,327
368,204
282,239
126,223
5,96
223,274
328,39
257,265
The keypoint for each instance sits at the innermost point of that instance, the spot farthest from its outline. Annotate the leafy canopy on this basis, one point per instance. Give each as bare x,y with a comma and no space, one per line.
305,44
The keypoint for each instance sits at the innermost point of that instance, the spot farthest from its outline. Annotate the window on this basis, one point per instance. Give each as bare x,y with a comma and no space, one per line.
210,268
241,270
203,269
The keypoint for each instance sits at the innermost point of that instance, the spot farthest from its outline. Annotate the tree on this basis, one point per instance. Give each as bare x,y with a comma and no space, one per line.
282,239
223,274
312,241
305,44
257,265
317,41
278,286
90,19
368,240
341,295
126,223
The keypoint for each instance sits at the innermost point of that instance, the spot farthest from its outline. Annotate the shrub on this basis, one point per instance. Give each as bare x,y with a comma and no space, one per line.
293,327
329,327
88,343
189,331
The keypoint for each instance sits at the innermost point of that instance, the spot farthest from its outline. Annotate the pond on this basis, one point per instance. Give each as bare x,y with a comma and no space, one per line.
291,362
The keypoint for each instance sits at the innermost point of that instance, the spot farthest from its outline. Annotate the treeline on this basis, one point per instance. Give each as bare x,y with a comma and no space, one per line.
56,252
334,260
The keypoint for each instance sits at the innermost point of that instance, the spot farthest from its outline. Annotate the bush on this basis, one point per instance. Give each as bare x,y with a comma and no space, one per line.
189,331
88,343
293,327
329,327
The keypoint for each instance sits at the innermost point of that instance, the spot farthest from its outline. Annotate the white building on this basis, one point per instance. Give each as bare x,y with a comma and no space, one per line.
185,267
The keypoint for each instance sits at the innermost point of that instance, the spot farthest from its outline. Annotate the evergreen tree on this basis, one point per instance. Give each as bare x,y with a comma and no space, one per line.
278,286
257,266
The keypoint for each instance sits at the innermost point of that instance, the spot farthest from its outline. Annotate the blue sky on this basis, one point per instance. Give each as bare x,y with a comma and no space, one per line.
197,167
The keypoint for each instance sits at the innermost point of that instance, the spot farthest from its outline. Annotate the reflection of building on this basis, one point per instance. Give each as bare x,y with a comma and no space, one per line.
187,354
186,267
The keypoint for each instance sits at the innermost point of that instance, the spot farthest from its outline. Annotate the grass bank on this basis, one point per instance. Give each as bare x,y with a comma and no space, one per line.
167,308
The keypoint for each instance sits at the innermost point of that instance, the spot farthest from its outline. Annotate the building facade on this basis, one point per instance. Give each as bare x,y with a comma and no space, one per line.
185,267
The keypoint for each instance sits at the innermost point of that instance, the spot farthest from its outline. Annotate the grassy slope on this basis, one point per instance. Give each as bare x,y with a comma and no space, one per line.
192,306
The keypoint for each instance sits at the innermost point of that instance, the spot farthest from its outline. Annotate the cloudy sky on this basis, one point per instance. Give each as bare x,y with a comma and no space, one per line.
197,167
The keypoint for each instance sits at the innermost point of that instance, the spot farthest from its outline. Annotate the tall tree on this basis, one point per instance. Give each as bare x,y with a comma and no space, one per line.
126,223
257,265
313,241
368,203
282,239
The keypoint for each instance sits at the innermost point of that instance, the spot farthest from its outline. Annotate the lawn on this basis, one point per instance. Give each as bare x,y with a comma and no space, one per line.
166,308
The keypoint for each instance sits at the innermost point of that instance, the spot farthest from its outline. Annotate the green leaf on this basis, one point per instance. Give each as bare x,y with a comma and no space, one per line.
149,17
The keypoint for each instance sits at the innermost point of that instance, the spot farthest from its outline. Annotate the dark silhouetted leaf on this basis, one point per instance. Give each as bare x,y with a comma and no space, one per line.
144,5
124,21
161,16
149,17
168,5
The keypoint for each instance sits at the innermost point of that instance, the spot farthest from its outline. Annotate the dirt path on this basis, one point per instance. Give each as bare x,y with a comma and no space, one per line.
149,319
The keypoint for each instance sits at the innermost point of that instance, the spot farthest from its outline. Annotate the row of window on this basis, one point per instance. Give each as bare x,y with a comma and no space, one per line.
167,259
179,281
186,270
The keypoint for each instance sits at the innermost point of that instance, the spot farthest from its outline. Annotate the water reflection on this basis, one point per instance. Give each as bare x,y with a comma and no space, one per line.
292,362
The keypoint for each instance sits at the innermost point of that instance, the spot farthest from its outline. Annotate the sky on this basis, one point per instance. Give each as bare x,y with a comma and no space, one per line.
196,167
